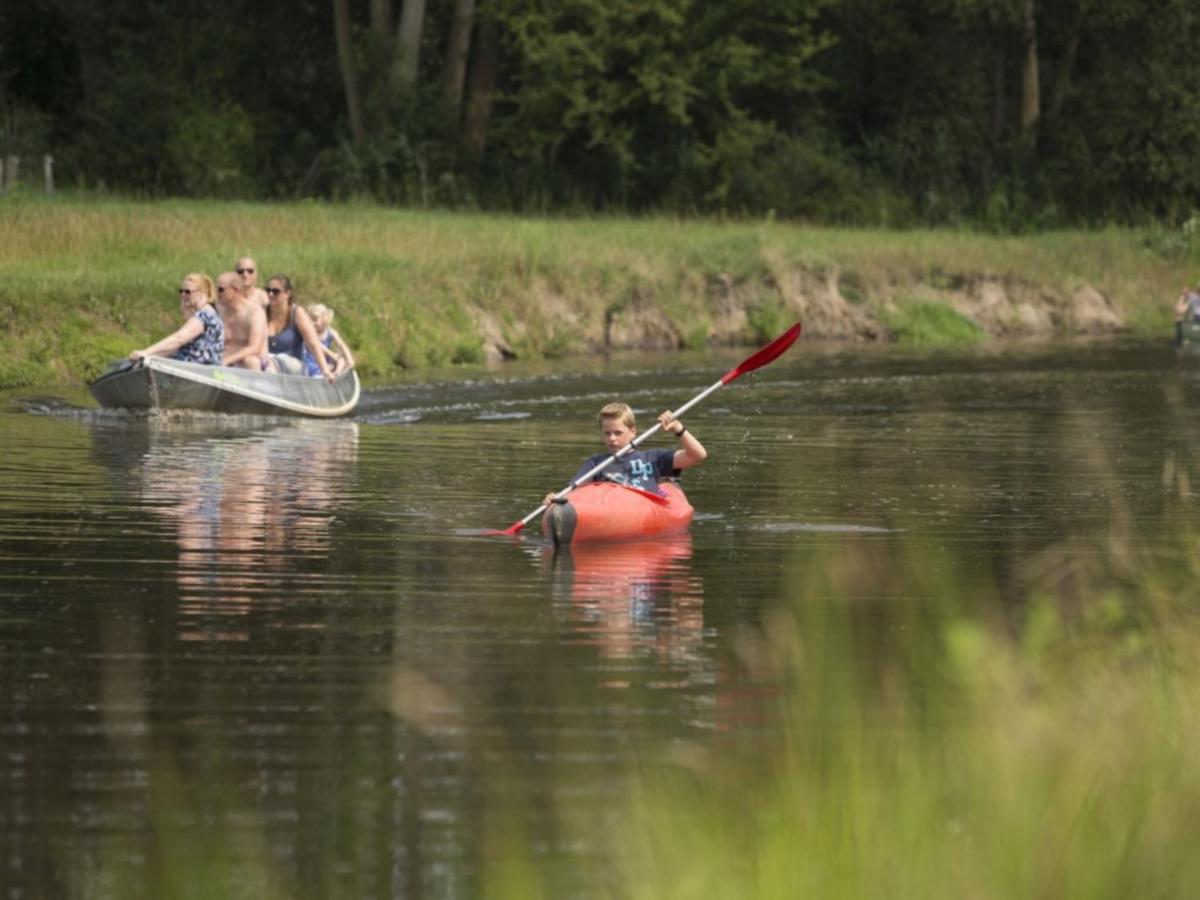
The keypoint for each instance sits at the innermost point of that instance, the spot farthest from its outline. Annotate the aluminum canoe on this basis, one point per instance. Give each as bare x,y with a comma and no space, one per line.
160,383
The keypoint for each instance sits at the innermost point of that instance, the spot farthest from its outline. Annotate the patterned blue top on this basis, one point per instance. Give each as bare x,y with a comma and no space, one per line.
311,366
640,469
209,347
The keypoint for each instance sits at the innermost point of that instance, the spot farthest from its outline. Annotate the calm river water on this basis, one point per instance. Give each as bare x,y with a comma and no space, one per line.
284,649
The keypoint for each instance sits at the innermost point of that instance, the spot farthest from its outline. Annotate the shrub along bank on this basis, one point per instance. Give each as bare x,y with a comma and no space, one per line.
83,281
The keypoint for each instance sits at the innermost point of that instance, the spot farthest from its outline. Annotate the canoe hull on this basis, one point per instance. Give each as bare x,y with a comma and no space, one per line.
161,383
604,511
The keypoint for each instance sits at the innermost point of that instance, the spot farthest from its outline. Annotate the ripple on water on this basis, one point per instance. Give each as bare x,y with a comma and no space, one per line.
501,416
393,417
819,527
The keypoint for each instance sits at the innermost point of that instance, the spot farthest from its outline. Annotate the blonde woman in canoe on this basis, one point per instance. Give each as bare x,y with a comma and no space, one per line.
201,337
641,468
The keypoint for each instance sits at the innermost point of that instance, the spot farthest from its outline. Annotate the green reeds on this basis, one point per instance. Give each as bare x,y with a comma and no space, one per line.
1048,753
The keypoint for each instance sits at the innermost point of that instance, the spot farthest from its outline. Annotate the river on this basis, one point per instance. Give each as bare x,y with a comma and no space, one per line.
287,648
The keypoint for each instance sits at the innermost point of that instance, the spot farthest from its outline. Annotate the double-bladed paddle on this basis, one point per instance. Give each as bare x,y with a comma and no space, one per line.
757,360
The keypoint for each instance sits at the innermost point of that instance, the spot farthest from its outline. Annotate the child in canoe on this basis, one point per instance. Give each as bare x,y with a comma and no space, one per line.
639,468
337,353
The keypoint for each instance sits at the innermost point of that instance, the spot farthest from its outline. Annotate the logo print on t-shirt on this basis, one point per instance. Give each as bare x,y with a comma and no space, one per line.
641,470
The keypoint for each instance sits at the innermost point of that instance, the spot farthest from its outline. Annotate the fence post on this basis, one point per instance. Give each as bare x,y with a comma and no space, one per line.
48,172
10,171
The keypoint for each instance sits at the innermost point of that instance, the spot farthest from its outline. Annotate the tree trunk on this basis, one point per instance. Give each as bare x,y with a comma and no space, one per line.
381,18
482,85
408,43
456,56
995,125
1030,81
1062,84
345,52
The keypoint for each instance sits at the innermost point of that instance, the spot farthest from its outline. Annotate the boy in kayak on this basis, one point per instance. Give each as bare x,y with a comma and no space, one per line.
638,468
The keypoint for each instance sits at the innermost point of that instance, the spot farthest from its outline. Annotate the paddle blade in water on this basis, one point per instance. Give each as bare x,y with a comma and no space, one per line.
511,531
767,354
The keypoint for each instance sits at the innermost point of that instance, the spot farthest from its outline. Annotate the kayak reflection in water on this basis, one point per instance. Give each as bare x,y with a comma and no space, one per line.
641,468
634,599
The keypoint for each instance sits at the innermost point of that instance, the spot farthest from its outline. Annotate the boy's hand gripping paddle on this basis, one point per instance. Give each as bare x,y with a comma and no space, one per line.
767,354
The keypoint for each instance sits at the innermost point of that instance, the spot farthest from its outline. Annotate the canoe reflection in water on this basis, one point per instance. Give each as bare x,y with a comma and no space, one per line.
632,599
250,510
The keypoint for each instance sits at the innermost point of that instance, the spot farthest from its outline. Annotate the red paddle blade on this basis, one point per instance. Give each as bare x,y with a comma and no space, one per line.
511,531
649,495
767,354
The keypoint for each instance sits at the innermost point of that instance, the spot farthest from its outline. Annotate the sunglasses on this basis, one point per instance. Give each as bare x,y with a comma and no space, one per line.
189,291
274,291
221,288
245,271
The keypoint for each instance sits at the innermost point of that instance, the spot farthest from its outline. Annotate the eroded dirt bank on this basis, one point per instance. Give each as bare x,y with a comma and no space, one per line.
830,305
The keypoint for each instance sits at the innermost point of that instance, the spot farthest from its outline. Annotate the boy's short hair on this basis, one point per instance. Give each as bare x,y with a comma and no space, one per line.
618,411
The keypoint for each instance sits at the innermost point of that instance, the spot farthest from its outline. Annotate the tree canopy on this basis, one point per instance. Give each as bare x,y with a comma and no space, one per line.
1010,113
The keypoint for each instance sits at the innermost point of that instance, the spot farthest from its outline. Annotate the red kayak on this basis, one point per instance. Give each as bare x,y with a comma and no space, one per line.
605,511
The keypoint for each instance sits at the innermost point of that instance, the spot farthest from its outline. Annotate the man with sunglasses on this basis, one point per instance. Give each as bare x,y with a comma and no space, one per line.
247,270
245,324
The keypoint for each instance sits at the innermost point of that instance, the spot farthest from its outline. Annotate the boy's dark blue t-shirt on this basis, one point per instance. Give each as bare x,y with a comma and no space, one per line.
640,469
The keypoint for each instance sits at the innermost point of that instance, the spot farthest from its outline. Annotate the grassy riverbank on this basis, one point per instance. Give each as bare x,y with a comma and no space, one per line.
84,281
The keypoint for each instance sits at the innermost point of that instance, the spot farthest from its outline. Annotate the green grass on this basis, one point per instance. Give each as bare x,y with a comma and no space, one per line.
924,322
88,279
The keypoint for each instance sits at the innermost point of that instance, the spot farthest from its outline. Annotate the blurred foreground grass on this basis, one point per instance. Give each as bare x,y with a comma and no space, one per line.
978,742
1054,752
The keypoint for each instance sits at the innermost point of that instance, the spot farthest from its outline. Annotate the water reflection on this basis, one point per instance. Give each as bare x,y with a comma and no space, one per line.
631,599
247,509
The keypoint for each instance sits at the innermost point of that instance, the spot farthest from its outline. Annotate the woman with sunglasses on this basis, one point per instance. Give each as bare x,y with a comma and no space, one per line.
290,330
201,338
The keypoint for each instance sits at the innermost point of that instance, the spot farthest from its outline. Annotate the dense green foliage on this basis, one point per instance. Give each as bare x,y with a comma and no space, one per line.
1009,113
